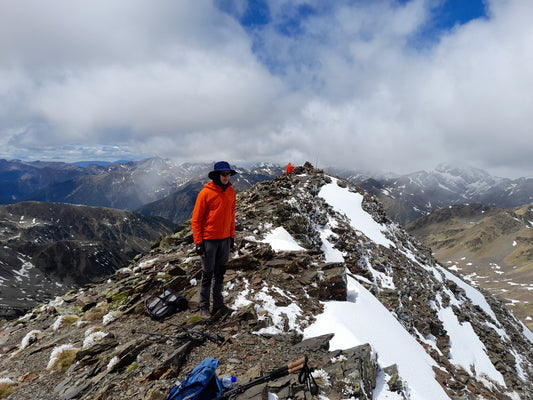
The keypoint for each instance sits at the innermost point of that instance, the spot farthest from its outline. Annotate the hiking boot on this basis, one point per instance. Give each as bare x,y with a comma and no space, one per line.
223,310
204,314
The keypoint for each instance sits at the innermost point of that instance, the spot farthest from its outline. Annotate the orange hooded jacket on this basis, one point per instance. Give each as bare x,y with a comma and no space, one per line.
214,213
290,169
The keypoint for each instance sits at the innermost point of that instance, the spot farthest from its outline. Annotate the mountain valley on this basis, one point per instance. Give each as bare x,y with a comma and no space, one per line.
50,248
489,247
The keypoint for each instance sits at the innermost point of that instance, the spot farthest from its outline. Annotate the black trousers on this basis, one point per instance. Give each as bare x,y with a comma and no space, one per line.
213,270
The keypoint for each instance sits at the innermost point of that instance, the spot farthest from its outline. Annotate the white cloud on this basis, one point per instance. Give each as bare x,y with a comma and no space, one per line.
346,88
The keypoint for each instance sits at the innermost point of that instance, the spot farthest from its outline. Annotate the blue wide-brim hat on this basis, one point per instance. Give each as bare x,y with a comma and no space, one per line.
219,167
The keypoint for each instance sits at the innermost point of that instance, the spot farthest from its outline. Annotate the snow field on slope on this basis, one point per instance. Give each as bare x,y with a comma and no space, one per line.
366,320
363,319
350,204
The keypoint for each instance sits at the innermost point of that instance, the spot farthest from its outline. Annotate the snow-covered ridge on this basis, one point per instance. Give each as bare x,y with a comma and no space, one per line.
364,318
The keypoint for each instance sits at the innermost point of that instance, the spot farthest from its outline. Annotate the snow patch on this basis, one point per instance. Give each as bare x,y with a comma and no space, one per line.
281,240
393,344
350,204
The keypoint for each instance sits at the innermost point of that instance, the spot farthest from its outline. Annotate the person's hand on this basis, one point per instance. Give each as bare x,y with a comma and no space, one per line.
200,249
232,244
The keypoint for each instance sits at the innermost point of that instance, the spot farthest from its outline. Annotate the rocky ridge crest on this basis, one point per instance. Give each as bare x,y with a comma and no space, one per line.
103,358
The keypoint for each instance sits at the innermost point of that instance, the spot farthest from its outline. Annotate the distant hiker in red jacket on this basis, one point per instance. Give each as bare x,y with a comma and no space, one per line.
213,228
290,169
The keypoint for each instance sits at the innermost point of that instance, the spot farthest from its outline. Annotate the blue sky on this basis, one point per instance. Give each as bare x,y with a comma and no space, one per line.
444,14
376,85
256,18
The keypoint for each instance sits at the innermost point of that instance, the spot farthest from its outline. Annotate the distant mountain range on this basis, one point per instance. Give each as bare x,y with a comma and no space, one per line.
144,186
125,186
408,197
137,185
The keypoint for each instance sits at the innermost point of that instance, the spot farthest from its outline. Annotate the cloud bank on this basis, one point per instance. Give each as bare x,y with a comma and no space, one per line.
355,85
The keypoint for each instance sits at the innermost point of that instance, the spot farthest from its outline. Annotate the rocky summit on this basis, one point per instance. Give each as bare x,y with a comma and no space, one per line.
319,271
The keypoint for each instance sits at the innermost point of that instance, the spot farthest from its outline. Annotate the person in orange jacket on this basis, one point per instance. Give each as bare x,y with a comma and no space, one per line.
290,169
213,228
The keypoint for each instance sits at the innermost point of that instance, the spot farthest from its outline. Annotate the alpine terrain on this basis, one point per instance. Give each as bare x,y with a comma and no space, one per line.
49,248
123,185
320,271
488,247
408,197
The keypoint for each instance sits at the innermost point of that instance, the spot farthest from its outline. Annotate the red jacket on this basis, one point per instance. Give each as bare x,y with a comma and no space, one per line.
290,169
214,213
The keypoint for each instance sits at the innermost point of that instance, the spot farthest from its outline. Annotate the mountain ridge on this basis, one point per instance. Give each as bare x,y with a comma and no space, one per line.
411,196
48,248
349,254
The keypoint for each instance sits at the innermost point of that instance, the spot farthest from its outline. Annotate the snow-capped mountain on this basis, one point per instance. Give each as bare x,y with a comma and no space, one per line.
142,184
408,197
320,271
126,186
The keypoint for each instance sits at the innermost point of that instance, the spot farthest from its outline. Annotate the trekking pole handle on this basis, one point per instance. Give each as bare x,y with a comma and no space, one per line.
301,361
297,365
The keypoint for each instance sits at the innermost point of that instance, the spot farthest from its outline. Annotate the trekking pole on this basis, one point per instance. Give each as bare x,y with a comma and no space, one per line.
179,337
305,378
215,338
291,368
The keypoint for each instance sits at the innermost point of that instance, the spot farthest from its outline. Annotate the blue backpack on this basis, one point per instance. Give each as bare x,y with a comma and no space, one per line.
201,384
